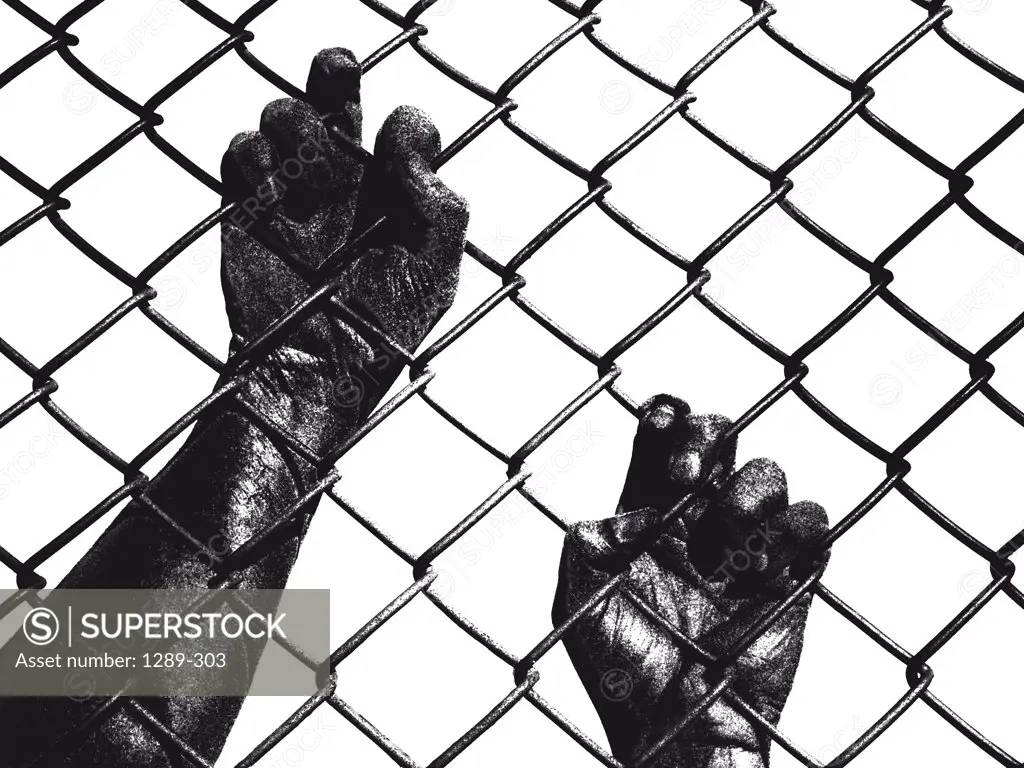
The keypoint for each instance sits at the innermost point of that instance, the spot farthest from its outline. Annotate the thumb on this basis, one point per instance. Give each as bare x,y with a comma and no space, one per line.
595,551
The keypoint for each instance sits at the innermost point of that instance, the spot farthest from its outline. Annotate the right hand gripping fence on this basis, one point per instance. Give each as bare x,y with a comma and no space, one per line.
583,21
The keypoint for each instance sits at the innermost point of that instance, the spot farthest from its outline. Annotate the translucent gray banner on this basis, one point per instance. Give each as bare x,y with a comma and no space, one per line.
85,643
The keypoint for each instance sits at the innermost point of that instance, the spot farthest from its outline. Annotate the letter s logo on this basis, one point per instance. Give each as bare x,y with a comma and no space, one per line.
41,626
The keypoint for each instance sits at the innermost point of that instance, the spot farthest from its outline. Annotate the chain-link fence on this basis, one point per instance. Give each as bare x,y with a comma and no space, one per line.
580,21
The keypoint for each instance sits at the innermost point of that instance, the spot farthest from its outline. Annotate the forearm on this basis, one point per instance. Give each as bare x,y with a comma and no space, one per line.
233,478
229,481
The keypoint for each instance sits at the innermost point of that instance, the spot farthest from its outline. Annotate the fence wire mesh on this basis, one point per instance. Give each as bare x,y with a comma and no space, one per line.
580,21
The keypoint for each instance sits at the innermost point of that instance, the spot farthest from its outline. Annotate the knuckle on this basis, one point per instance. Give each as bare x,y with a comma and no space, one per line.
450,211
588,541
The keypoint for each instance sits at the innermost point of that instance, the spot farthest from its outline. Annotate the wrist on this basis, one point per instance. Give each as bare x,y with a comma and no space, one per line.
294,392
323,384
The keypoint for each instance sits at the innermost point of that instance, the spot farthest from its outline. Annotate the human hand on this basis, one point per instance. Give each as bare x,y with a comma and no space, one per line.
303,194
723,563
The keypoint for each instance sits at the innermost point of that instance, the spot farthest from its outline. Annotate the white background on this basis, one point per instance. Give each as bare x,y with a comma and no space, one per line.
421,679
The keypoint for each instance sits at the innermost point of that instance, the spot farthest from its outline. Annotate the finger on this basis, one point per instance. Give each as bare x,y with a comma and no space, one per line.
702,455
605,545
310,166
673,453
796,539
248,172
647,481
253,277
730,541
408,282
333,90
757,490
427,217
